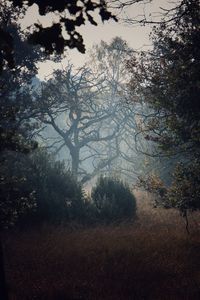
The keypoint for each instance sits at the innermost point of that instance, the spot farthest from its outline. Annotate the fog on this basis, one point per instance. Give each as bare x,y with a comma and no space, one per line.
99,149
87,111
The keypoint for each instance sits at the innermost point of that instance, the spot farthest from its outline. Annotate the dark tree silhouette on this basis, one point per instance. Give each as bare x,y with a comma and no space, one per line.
15,106
166,14
52,38
73,105
167,79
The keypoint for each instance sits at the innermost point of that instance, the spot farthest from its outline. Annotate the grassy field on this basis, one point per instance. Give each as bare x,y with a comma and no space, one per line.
154,258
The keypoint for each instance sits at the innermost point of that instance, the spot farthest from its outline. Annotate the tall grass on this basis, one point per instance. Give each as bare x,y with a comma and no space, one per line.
153,258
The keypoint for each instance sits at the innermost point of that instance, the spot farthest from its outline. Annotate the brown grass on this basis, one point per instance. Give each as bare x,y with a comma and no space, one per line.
154,258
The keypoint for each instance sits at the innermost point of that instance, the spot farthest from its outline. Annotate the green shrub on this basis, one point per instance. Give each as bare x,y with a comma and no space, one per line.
113,200
36,188
58,195
17,196
184,191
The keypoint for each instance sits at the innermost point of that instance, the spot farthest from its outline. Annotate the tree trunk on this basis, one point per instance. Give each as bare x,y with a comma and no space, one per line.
3,290
75,163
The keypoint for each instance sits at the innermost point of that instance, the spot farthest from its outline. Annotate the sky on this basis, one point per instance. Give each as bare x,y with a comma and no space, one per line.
136,36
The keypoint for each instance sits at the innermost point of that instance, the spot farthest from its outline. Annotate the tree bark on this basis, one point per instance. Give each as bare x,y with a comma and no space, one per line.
75,163
3,289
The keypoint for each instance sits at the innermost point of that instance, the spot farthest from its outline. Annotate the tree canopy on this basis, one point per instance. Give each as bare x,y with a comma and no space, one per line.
61,34
167,80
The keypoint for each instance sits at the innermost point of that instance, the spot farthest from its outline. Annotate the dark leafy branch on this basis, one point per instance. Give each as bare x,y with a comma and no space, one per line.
52,38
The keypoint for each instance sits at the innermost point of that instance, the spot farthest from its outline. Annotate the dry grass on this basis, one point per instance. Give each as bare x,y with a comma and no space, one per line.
154,258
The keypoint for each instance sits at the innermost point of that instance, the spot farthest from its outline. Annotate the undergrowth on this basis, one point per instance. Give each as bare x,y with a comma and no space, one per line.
152,258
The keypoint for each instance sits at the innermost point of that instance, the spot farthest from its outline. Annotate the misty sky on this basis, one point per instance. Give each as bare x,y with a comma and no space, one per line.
136,36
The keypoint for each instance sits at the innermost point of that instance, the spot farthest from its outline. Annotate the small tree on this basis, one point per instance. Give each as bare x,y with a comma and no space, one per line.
113,200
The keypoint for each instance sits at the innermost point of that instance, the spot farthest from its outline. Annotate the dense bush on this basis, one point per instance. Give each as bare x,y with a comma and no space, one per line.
17,196
113,200
36,188
58,195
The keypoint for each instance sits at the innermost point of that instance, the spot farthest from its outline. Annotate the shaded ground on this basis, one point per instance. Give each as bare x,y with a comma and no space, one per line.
154,258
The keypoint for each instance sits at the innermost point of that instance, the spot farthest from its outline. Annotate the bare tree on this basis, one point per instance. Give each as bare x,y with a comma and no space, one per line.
72,105
147,12
94,127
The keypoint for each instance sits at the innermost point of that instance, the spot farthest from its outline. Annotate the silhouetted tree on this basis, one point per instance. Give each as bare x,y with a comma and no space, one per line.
73,105
167,78
164,15
70,14
15,110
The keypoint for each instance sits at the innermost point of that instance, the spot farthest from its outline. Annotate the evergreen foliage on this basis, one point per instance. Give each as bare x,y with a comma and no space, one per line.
113,200
59,197
35,189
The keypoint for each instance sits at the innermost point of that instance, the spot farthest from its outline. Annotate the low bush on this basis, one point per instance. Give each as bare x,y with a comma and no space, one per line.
113,200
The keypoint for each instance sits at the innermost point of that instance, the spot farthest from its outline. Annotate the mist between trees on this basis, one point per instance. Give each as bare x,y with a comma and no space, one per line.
86,117
125,114
74,147
84,120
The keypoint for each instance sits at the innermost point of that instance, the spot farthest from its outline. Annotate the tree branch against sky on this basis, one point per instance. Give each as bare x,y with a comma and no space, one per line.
61,33
72,105
168,79
145,12
87,109
128,112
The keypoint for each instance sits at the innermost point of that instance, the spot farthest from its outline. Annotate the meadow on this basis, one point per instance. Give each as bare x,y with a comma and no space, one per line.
151,258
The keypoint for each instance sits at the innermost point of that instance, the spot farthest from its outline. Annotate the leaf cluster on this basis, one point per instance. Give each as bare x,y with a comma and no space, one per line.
71,15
